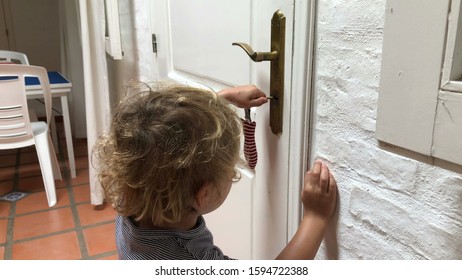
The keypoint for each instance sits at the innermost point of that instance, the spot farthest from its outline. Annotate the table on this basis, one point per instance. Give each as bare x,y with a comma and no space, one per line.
60,87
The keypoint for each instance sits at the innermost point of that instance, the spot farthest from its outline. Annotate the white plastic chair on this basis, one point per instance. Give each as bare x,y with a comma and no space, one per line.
16,129
13,57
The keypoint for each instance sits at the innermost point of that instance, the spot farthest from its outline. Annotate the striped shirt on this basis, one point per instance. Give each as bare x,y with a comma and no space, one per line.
134,243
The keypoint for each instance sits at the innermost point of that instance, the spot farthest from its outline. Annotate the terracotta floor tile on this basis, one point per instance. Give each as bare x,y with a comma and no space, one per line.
80,147
7,173
61,183
79,142
31,184
6,187
100,239
81,193
82,177
29,170
3,230
88,215
80,151
41,232
29,158
4,209
111,257
38,201
81,162
62,144
42,223
27,149
8,160
8,152
57,247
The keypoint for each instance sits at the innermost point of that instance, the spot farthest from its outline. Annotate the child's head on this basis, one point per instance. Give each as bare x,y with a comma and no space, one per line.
164,144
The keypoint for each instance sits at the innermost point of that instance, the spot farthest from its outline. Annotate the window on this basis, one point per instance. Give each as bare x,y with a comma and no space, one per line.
112,33
420,97
452,67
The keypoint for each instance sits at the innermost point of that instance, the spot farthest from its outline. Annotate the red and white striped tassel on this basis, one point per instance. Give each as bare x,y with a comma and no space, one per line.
250,148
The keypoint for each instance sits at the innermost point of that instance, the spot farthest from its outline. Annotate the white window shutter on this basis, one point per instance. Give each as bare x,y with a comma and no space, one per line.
413,50
447,139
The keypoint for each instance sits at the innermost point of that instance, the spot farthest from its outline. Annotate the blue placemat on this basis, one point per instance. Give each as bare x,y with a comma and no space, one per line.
53,76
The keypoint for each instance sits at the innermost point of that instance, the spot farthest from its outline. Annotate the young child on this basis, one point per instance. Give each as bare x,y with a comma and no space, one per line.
170,157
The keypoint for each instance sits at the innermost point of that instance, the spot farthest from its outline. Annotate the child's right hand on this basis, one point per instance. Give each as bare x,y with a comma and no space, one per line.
319,195
244,96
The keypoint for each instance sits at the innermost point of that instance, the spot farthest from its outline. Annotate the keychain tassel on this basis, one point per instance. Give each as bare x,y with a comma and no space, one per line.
250,147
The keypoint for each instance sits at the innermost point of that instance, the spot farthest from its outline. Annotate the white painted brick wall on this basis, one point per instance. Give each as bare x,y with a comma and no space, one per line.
136,41
391,207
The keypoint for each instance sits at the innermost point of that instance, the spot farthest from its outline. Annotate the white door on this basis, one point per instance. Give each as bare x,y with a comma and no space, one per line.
194,46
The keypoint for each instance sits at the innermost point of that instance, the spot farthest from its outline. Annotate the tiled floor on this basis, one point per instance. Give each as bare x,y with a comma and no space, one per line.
71,230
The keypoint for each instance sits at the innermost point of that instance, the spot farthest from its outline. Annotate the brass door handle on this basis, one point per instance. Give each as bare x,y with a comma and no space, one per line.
276,56
257,56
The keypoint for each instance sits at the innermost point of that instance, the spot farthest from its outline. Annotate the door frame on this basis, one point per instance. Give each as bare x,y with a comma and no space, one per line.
300,153
301,123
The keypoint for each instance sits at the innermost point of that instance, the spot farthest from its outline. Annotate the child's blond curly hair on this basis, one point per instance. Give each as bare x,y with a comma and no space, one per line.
164,143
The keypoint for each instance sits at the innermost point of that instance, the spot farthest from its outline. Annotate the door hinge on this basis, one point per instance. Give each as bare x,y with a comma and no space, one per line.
154,43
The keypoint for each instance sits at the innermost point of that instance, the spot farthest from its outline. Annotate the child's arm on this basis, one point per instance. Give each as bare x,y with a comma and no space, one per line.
319,201
244,96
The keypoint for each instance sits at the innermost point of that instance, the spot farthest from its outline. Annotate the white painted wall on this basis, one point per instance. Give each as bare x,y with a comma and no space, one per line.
391,206
137,61
36,31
